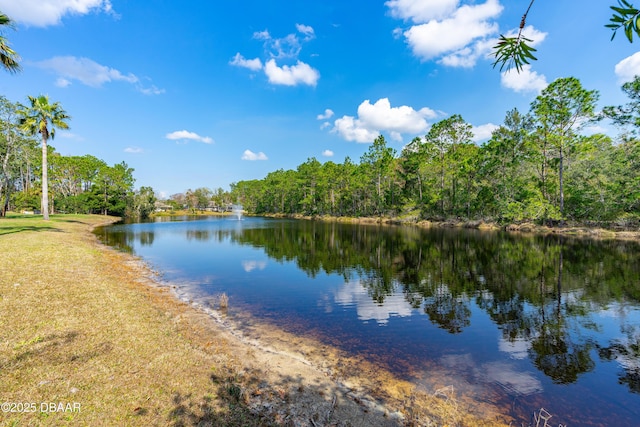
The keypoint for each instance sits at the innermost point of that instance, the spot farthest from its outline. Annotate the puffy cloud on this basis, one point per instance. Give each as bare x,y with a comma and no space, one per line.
353,130
185,134
523,81
307,31
439,33
380,116
252,64
41,13
628,68
483,132
328,113
250,155
293,75
285,49
435,33
327,153
536,36
90,73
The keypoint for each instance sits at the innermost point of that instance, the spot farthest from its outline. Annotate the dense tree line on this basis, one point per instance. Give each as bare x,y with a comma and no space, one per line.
76,184
537,166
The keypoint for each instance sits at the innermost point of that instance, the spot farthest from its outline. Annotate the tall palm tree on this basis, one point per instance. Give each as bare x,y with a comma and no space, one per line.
8,57
42,117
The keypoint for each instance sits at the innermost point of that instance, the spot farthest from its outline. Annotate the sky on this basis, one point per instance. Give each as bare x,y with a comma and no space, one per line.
205,93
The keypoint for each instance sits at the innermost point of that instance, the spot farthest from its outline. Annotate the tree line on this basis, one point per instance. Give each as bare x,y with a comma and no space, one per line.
537,166
73,184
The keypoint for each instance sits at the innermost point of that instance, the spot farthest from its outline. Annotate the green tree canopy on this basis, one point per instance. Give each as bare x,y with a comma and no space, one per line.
8,57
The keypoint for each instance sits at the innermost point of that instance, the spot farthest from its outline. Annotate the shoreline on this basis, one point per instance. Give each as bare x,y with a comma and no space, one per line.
569,230
122,343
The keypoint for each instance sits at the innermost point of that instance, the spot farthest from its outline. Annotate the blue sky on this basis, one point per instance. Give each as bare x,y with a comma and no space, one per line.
205,93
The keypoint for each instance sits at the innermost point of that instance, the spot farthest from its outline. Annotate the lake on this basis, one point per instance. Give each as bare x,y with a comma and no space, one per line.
519,321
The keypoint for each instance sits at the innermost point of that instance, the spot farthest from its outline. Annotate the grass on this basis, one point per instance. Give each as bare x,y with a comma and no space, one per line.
78,326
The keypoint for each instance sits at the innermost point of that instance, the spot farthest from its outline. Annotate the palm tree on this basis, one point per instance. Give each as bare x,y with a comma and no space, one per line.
43,117
8,57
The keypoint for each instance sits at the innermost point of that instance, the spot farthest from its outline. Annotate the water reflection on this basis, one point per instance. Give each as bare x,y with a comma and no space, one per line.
520,313
354,293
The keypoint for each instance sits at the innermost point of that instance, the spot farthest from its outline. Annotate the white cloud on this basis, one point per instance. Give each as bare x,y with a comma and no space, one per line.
594,129
483,132
262,35
293,75
250,265
41,13
536,36
250,155
628,68
151,90
437,37
288,46
375,118
69,135
133,150
185,134
523,81
355,294
420,11
62,82
308,32
252,64
84,70
328,113
90,73
285,49
327,153
353,130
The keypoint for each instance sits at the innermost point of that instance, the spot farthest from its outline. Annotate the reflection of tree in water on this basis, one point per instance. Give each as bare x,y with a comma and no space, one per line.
146,238
535,288
449,312
555,354
627,353
554,351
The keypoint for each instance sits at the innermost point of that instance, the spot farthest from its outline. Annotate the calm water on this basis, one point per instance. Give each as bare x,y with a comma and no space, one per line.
522,322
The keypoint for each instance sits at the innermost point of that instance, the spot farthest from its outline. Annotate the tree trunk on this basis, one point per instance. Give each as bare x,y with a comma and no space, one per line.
45,181
560,177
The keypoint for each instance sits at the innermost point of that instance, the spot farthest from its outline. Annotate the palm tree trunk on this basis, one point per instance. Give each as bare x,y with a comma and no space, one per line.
45,182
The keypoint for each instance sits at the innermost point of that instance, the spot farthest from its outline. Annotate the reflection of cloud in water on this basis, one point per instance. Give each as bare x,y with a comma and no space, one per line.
354,294
249,265
505,374
517,349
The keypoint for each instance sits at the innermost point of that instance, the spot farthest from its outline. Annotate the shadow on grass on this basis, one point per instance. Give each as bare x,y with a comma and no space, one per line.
229,407
23,228
252,401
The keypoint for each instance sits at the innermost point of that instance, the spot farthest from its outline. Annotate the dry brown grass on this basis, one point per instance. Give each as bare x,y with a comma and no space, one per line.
83,324
78,324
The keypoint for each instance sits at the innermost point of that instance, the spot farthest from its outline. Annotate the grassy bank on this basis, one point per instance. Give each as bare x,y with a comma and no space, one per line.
80,326
87,338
